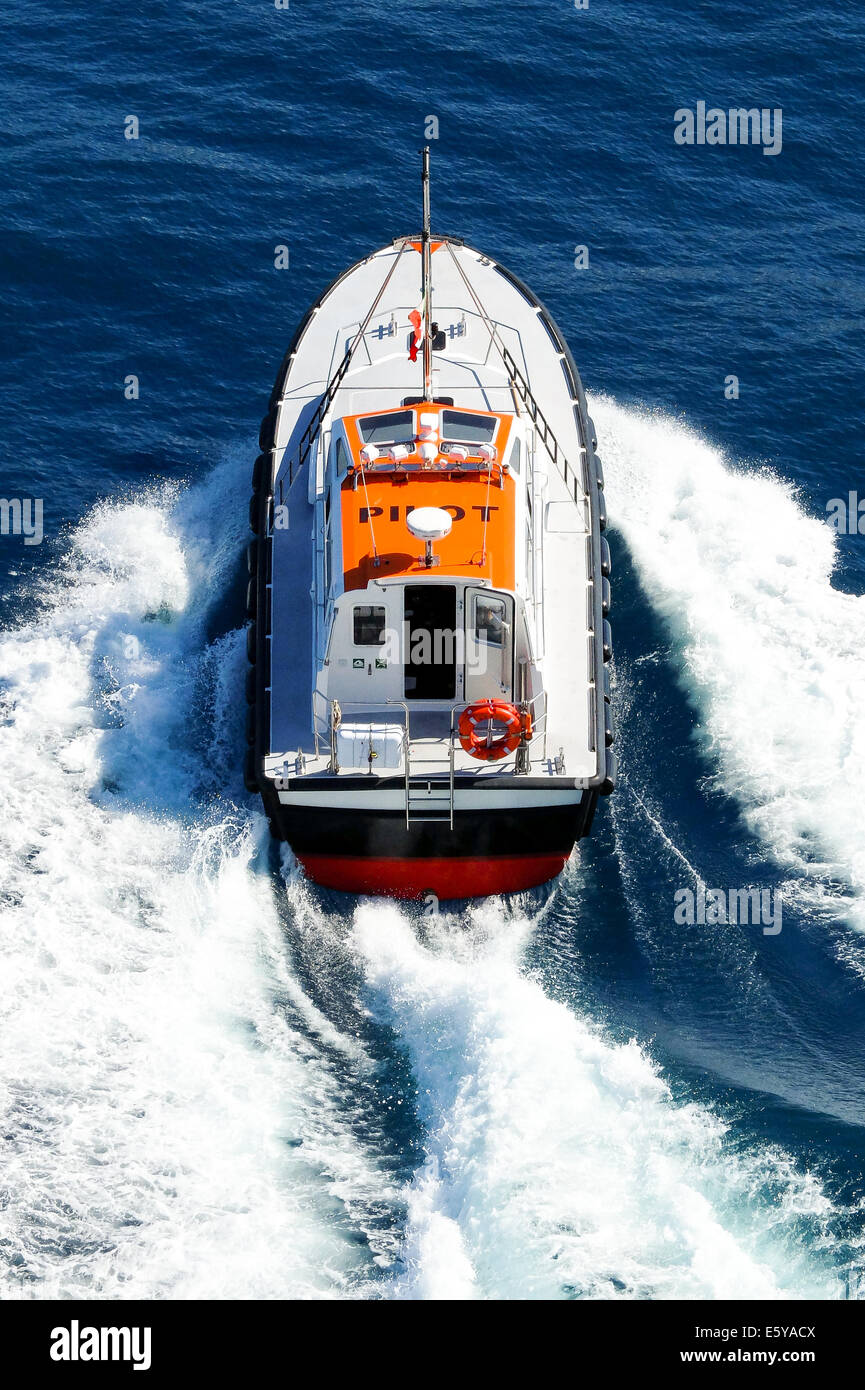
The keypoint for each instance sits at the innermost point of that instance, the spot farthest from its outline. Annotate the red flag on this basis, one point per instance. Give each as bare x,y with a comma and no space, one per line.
416,320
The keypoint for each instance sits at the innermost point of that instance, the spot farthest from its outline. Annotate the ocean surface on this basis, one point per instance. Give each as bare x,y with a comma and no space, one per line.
217,1081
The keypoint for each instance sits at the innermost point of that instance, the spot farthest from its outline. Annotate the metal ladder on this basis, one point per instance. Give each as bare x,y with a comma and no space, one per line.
426,798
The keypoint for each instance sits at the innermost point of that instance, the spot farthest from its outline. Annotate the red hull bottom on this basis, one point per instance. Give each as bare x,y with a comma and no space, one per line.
447,878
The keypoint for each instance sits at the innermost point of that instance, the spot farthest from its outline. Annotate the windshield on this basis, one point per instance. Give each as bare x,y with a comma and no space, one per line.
395,428
462,428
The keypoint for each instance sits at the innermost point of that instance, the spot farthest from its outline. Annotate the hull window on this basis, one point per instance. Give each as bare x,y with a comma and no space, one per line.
430,617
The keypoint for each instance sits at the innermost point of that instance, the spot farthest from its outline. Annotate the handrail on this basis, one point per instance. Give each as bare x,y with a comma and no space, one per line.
519,385
451,768
539,727
309,434
539,420
407,756
539,731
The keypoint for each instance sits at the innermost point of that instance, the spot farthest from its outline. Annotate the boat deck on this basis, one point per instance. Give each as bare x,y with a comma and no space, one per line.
470,371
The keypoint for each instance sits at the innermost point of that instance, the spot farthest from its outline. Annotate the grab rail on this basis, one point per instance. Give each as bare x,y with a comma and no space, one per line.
520,387
307,438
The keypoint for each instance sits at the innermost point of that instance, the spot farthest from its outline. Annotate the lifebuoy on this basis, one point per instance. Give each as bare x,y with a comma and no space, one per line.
480,742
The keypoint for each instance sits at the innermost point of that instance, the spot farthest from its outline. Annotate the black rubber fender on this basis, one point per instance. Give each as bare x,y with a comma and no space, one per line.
252,556
607,691
251,642
599,471
251,588
265,434
258,471
609,725
250,725
608,786
602,511
250,685
608,641
606,596
250,781
253,512
606,559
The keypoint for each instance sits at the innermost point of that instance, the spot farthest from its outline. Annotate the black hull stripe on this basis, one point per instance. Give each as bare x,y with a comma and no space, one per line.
383,834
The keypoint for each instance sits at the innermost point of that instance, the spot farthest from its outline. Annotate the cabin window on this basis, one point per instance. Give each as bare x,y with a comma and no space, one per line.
395,428
490,620
514,460
341,458
462,428
369,625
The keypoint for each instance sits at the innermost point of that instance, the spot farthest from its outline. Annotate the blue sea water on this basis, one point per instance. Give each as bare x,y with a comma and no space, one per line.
218,1082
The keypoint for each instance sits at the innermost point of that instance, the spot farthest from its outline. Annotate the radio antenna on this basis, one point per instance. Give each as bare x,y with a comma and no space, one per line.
426,280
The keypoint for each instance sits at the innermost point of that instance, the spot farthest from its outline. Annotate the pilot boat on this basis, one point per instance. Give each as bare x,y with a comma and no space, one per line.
429,692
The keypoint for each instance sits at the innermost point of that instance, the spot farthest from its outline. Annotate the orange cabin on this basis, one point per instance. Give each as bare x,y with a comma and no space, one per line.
401,461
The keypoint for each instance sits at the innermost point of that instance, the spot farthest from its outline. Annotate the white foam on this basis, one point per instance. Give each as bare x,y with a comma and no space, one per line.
178,1128
174,1131
773,655
557,1162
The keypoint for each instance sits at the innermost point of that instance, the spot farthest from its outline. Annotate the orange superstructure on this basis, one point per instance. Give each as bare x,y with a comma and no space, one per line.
376,544
479,495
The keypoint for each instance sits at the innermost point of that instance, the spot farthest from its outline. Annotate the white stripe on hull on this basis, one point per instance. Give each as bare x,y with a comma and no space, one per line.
468,800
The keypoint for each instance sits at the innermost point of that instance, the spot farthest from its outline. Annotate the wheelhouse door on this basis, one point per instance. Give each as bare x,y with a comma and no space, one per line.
489,644
430,632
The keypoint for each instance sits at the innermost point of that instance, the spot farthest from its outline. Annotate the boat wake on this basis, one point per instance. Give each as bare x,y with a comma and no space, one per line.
556,1162
214,1088
171,1130
771,654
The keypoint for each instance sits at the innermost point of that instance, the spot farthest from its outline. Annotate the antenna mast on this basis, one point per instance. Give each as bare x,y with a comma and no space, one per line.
426,282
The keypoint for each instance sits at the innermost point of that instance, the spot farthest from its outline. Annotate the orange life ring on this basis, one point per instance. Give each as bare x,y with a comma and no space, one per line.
481,744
